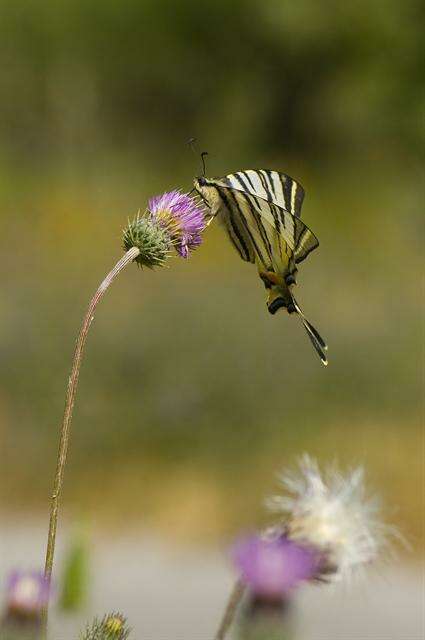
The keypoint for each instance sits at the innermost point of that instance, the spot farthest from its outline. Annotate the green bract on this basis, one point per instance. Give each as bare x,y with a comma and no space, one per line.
150,238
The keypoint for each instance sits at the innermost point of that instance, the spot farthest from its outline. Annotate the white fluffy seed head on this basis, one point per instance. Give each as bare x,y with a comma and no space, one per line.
332,513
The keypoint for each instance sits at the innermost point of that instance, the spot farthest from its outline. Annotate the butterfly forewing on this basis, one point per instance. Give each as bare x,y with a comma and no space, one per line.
275,187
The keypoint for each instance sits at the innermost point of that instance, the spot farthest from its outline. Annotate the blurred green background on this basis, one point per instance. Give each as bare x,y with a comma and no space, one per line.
191,395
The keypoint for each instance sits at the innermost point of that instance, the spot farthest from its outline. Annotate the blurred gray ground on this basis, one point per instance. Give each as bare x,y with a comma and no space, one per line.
179,593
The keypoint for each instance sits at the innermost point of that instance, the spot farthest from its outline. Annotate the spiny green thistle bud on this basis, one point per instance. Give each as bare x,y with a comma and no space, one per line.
113,626
151,239
115,623
173,219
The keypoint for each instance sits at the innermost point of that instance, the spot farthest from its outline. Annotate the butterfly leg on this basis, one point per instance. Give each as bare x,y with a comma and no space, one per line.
271,279
264,277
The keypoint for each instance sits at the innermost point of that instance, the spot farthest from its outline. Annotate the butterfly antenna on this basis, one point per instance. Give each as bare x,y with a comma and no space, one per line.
203,156
192,144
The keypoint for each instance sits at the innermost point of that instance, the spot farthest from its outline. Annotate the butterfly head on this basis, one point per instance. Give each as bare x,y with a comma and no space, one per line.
202,186
200,183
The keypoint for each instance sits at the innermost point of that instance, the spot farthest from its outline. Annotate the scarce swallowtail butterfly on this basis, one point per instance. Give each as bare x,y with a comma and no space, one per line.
261,212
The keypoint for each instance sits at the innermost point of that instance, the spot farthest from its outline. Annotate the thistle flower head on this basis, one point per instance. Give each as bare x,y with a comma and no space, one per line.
27,593
182,216
173,219
271,568
332,514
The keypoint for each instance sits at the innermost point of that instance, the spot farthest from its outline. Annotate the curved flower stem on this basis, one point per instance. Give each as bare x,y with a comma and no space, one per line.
230,611
69,405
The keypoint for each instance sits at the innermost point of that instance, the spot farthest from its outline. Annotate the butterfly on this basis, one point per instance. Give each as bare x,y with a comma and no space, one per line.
261,212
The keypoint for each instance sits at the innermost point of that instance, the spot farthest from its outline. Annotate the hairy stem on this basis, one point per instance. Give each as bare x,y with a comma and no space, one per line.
69,405
230,610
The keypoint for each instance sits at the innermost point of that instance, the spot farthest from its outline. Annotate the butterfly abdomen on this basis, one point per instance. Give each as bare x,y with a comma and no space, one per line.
279,294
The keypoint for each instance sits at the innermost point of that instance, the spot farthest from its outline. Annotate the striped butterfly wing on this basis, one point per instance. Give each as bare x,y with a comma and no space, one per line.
273,186
264,218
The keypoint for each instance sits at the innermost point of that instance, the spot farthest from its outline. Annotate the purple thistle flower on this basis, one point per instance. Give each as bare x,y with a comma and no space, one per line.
27,593
272,568
182,216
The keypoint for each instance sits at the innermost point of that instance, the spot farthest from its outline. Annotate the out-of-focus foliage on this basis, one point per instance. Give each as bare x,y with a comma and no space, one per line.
191,395
304,77
75,576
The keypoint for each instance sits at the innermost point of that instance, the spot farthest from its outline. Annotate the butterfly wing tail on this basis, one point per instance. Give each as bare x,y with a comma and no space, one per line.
316,339
312,333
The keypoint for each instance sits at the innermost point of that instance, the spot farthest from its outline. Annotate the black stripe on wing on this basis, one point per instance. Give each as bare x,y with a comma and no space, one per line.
235,229
298,198
246,214
251,202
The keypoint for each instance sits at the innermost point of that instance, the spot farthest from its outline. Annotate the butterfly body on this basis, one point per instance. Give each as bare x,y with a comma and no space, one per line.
261,212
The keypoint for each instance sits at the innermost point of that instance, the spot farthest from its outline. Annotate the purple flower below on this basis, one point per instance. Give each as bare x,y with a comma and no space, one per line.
182,216
27,592
273,567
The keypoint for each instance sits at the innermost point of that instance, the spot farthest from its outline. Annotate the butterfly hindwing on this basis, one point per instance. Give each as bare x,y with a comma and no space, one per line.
256,228
305,241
